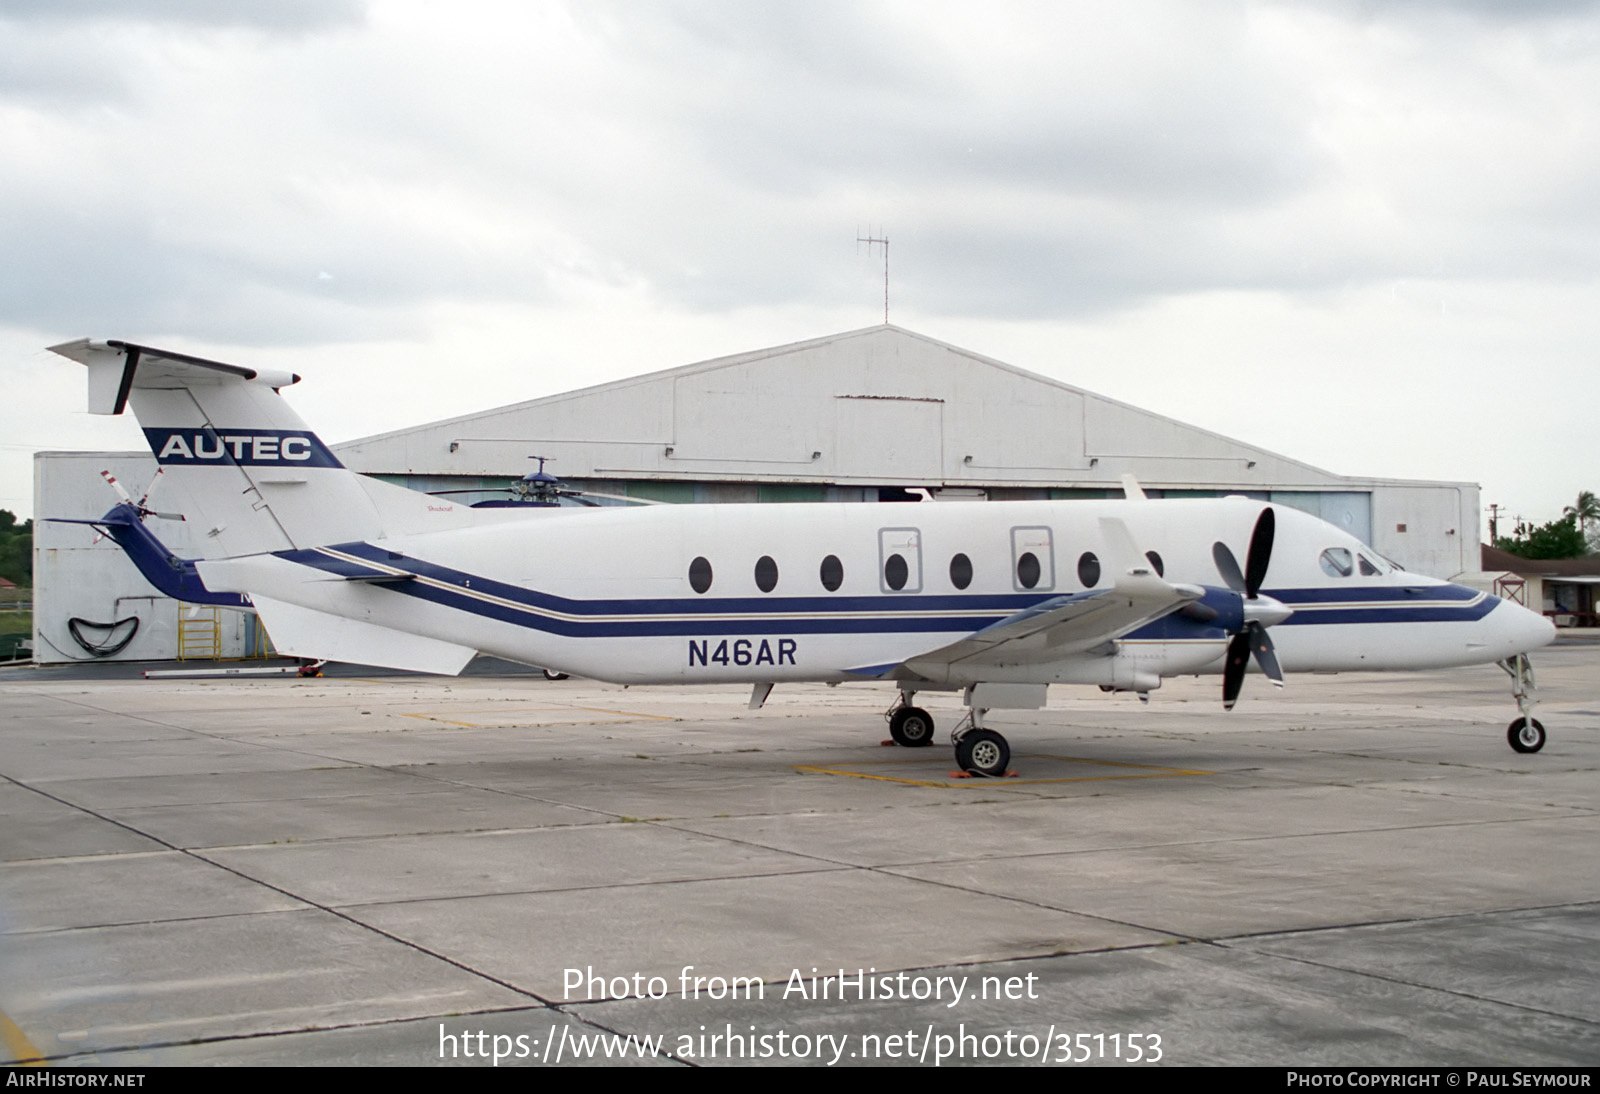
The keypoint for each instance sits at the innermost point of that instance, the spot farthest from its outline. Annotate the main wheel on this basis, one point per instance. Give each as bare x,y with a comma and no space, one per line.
911,727
551,674
1526,734
983,752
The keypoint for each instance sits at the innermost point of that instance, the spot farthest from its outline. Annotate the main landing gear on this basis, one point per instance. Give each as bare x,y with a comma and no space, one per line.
1525,733
979,751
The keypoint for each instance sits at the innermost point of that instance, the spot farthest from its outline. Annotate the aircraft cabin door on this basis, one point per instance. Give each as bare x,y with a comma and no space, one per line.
900,560
1033,560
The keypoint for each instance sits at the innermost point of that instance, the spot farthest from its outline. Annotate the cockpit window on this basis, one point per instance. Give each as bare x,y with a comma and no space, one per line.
1369,568
1336,562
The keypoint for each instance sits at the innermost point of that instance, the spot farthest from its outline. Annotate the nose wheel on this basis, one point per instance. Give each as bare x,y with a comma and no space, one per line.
983,752
1526,734
980,751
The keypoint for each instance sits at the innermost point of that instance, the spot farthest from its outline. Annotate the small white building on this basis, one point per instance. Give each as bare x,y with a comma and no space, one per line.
871,415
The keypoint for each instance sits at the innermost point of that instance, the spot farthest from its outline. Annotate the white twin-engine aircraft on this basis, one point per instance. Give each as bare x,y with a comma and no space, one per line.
998,600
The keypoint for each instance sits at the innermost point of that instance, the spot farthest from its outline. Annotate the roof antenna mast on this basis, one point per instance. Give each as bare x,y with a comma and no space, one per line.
870,240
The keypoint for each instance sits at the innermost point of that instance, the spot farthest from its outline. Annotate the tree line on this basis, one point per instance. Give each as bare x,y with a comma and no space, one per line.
1572,535
16,549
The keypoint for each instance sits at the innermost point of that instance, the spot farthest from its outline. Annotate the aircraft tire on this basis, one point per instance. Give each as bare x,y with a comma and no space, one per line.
1526,734
911,727
550,674
983,752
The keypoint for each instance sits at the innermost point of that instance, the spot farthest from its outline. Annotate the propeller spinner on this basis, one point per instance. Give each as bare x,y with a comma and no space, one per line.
1260,612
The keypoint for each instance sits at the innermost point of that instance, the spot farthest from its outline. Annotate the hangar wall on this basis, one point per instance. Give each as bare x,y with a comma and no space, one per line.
79,575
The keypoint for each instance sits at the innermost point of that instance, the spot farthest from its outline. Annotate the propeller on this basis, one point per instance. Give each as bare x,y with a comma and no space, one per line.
139,506
1259,612
140,509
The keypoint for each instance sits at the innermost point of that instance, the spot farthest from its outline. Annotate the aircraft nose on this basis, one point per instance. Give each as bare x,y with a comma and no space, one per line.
1519,629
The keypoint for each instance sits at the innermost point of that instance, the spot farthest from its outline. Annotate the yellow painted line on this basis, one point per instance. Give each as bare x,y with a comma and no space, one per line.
17,1043
1146,771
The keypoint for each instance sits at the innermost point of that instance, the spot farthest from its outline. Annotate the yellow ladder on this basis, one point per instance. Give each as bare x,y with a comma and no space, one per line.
199,633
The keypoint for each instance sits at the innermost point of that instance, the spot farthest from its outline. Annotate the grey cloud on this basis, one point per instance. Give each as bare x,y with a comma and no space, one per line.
1493,11
281,16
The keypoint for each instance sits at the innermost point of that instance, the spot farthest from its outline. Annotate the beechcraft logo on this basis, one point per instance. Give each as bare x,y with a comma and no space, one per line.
241,447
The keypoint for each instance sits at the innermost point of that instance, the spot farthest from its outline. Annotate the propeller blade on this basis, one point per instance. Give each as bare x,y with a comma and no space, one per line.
610,497
1260,556
117,486
154,479
1227,566
1265,655
1233,671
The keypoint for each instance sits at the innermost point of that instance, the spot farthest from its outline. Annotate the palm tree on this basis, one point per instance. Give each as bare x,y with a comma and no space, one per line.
1586,511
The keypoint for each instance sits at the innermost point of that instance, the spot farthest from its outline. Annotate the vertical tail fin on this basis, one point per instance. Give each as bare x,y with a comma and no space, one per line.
247,469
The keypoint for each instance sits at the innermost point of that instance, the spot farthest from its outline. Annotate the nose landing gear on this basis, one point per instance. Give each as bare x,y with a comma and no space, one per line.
1526,733
980,751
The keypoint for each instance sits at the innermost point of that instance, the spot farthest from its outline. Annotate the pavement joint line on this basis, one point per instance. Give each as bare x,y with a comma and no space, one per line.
1153,771
401,769
840,868
566,708
1177,935
1277,932
34,932
1405,982
887,872
252,742
568,1008
270,1034
670,821
294,896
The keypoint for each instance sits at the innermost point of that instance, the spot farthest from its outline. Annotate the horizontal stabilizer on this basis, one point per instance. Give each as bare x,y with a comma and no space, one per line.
116,368
306,632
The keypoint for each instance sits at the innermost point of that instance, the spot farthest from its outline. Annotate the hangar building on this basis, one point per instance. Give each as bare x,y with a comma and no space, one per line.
879,414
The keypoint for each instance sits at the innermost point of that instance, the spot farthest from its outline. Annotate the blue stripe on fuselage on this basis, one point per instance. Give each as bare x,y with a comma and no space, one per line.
906,613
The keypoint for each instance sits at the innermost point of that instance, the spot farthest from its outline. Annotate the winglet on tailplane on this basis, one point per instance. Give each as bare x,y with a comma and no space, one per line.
249,472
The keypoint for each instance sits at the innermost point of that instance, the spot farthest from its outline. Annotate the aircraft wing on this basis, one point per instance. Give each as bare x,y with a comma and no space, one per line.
1066,625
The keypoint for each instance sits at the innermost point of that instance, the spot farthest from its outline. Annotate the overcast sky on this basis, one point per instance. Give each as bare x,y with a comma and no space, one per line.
1362,234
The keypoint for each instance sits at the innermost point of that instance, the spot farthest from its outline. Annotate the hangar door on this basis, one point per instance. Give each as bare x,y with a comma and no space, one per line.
890,439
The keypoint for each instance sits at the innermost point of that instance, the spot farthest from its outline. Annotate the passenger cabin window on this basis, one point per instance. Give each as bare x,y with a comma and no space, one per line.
700,575
832,573
961,571
1336,562
1033,565
1088,570
1028,570
900,560
766,574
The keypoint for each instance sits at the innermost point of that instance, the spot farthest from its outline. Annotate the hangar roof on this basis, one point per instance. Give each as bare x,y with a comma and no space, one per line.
881,405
